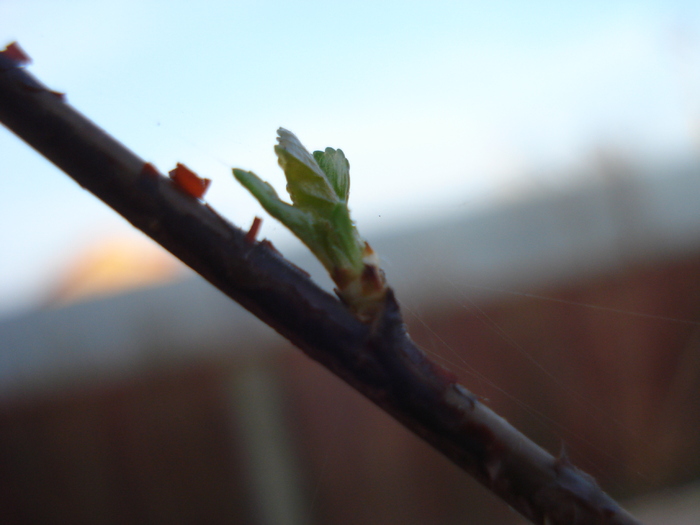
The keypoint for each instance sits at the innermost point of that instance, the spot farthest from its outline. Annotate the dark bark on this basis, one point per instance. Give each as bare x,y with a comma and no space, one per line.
378,360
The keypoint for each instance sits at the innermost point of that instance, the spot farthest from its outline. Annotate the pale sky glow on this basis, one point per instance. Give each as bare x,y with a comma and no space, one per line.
441,106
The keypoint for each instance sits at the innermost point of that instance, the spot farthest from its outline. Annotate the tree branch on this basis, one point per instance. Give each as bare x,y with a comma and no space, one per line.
379,360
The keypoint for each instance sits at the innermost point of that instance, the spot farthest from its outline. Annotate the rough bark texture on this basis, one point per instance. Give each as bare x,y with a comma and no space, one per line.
378,360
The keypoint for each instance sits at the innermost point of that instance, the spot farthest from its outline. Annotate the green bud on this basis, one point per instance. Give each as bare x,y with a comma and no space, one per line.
319,187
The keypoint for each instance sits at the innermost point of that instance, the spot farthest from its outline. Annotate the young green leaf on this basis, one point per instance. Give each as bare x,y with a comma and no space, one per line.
337,169
319,187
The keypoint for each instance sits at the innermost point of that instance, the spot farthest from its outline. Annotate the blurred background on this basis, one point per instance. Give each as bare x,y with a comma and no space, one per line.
528,172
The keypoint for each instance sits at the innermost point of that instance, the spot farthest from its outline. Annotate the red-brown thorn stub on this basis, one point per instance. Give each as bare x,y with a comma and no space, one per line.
188,181
14,52
254,229
58,94
36,88
149,170
267,244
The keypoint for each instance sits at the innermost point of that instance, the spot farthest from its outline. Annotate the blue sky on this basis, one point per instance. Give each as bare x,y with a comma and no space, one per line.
441,106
